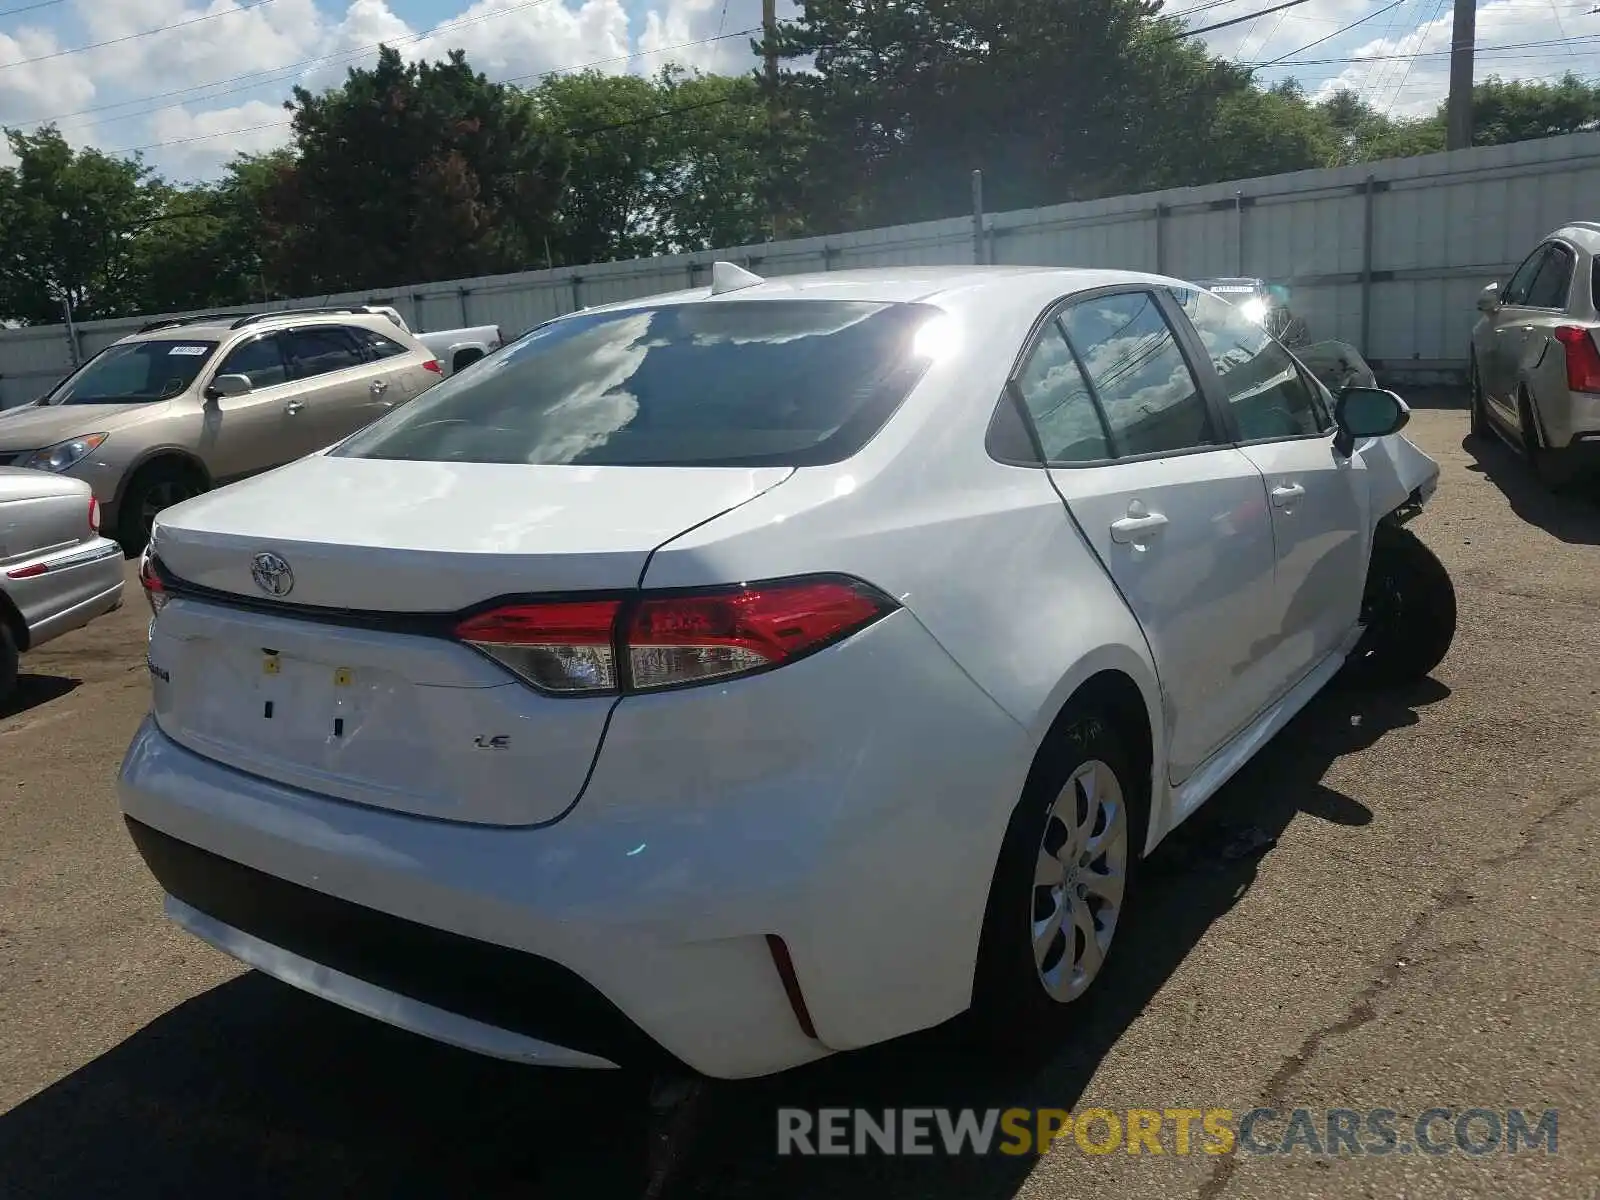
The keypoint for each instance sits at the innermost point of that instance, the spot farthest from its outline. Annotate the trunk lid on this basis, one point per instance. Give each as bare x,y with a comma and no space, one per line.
376,535
372,702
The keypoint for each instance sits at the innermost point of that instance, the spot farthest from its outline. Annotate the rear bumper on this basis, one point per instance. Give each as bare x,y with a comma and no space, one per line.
76,586
861,826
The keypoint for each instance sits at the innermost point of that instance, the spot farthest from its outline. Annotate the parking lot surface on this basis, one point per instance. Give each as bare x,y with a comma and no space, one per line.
1394,907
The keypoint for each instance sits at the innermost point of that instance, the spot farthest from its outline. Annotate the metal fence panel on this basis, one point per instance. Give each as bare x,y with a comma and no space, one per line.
1387,255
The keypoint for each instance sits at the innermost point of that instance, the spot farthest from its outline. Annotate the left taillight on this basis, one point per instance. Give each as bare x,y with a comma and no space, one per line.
1583,359
669,640
562,647
94,515
433,365
154,590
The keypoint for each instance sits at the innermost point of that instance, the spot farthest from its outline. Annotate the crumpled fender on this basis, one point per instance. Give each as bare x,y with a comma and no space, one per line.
1398,473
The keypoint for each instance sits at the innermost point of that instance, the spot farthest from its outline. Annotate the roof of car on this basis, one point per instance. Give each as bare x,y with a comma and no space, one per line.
214,329
1585,233
904,285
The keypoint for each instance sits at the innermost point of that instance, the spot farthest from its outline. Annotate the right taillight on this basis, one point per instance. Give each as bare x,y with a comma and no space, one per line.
676,639
154,590
1583,359
433,365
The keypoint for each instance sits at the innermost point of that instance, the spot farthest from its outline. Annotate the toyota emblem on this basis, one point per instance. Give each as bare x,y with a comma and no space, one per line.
272,574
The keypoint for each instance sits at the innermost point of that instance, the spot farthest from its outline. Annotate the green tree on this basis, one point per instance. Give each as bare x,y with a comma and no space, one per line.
68,221
1510,110
1054,100
412,172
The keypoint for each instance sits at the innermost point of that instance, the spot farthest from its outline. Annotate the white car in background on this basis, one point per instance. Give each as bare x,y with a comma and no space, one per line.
736,677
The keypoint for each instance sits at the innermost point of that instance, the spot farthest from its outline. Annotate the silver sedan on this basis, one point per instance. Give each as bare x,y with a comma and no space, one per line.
56,572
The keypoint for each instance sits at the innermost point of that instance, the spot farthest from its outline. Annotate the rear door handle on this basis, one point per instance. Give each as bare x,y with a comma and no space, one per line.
1287,494
1137,529
293,407
379,386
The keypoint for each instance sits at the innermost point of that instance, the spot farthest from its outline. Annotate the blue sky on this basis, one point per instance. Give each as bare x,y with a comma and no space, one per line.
192,82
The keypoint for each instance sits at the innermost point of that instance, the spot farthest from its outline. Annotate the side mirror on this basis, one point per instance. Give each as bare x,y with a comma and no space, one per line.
1489,298
224,386
1367,412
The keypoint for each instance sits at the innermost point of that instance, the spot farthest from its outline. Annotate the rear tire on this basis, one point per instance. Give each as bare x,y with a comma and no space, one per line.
1480,416
1409,609
1061,887
155,487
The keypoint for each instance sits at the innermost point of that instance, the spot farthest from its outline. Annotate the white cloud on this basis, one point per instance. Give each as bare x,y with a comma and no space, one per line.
277,44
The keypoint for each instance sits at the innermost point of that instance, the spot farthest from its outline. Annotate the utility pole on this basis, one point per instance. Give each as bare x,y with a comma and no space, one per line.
1458,108
769,48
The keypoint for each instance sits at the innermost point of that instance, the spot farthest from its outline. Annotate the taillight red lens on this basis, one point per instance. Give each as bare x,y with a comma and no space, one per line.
1583,359
94,515
433,365
154,591
675,640
557,647
672,640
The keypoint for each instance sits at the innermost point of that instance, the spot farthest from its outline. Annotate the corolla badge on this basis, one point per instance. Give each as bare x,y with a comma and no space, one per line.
272,574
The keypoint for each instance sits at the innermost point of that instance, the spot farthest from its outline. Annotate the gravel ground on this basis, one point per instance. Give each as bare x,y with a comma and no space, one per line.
1420,932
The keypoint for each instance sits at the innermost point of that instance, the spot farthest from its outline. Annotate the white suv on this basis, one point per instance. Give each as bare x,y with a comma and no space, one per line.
744,675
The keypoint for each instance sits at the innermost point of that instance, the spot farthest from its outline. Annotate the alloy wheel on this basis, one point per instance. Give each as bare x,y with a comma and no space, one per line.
1079,880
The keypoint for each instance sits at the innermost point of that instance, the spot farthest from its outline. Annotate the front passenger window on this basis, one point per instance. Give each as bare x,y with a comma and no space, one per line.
1517,289
261,360
1268,395
1151,401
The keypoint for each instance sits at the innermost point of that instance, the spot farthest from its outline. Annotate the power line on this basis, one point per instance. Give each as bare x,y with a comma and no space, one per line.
11,12
1188,33
1342,29
1407,57
130,37
616,58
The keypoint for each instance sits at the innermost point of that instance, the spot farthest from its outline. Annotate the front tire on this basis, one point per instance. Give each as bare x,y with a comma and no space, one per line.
1409,610
156,487
1480,416
1061,886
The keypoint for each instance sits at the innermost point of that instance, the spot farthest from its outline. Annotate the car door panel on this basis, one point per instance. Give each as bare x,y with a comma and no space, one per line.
336,385
1178,520
241,435
1317,498
1514,323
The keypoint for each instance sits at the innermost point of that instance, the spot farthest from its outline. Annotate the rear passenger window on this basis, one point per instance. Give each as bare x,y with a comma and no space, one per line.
1149,397
1550,285
1058,399
373,344
320,349
1266,391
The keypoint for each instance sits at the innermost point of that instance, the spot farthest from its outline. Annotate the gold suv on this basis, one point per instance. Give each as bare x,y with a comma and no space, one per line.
192,403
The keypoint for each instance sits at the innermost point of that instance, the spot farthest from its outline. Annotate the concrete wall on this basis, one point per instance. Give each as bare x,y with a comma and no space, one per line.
1388,256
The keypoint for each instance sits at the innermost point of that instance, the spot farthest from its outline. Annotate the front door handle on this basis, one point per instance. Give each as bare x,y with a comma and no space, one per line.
1137,528
293,407
379,386
1287,494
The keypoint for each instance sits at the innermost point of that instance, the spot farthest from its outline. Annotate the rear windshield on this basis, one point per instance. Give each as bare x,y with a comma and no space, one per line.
740,383
135,373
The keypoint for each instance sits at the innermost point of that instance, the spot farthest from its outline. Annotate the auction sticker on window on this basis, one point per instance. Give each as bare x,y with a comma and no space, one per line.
188,350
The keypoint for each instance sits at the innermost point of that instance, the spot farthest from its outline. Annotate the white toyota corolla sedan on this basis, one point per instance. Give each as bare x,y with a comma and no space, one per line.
731,678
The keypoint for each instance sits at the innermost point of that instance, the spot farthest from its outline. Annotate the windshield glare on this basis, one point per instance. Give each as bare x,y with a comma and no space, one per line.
136,373
741,383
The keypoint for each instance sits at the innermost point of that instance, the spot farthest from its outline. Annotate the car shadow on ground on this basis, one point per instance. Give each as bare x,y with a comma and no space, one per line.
252,1089
33,690
1572,515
